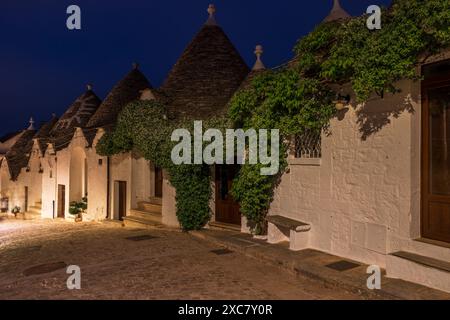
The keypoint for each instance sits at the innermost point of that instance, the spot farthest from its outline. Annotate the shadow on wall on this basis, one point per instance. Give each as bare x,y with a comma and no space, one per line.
377,113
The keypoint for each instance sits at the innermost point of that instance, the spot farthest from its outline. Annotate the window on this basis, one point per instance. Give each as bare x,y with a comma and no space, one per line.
308,145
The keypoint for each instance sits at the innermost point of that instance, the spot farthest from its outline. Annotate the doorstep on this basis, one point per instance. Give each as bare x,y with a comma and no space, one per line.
316,265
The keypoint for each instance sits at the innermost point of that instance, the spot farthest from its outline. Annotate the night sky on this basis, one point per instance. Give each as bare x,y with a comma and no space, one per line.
44,66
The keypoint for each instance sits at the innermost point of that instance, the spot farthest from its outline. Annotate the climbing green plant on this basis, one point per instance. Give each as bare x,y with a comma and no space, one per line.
143,127
301,95
285,101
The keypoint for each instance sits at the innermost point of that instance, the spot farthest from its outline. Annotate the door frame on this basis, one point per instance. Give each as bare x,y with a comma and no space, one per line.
158,180
427,85
231,203
61,208
26,204
120,201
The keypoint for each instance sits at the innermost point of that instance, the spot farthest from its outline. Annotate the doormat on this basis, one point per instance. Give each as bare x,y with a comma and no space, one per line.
342,265
141,238
44,268
221,252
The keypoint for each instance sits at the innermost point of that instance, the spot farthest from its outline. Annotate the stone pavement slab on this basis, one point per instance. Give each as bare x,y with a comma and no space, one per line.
161,265
313,264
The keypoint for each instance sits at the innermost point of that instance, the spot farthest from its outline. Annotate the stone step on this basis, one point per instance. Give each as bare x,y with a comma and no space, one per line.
35,209
150,207
139,223
28,216
426,261
424,270
429,248
156,200
145,215
224,226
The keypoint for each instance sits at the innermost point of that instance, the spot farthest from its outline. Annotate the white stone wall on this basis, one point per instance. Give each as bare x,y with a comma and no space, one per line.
31,178
169,206
142,180
7,186
49,187
4,176
360,194
97,183
138,173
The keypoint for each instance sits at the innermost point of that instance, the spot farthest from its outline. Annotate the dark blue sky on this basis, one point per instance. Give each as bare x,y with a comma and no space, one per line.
44,66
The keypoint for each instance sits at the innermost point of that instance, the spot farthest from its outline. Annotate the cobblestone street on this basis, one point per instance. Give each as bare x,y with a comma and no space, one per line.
169,265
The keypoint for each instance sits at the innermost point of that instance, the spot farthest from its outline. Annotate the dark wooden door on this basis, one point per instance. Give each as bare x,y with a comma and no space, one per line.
122,203
61,201
227,209
26,200
436,160
158,182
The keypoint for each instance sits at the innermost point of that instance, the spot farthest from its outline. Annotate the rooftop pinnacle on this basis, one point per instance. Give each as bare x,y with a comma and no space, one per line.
31,127
211,20
337,13
259,65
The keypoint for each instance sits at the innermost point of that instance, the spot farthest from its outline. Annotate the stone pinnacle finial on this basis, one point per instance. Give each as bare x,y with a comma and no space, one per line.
259,65
212,12
89,87
135,65
337,13
31,127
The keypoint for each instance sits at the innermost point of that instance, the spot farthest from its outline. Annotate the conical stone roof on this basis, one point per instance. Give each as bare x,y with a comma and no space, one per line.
19,155
76,116
124,92
43,135
206,75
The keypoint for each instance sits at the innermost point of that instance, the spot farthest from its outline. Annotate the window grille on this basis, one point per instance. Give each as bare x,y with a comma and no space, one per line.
308,145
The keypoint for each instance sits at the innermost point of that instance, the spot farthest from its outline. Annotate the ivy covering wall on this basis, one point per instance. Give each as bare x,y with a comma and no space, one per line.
292,99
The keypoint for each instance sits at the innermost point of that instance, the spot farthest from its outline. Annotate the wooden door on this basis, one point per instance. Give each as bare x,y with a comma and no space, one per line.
158,182
61,201
122,203
227,209
436,160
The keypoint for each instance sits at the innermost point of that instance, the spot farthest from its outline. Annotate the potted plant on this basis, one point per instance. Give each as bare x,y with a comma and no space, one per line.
77,208
15,211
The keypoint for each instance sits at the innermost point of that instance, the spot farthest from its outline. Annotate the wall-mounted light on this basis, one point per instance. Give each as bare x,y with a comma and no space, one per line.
342,102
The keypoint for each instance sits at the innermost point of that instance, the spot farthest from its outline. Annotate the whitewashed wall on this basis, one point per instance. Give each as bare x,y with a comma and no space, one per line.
362,192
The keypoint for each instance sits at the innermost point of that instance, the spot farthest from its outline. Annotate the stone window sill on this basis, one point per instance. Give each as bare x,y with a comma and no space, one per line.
315,162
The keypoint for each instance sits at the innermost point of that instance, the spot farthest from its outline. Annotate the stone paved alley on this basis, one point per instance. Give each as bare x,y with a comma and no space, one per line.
171,265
